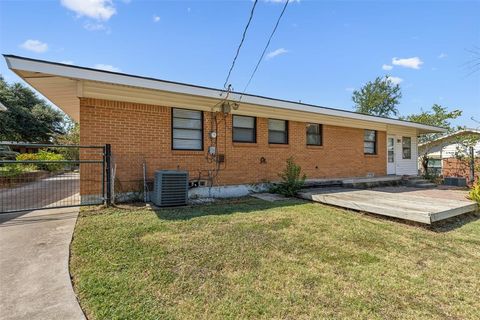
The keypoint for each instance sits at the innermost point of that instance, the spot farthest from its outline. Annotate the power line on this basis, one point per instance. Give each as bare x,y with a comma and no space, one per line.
265,49
241,43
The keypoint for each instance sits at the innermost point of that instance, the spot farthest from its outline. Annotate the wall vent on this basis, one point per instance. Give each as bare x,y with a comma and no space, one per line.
170,188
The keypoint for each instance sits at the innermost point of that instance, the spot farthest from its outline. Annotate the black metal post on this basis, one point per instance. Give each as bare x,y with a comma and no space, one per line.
108,171
472,165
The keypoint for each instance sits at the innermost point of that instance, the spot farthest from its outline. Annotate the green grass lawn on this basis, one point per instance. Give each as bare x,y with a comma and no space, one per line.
253,259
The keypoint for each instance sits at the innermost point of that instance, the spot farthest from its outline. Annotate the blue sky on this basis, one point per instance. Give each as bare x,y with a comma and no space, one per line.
322,49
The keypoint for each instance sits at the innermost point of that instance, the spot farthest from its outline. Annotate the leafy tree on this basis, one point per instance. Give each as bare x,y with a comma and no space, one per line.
28,117
71,137
378,98
438,116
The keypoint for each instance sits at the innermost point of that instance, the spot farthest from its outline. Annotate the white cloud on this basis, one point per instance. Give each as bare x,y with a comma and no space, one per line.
35,46
413,63
395,80
442,55
387,67
94,26
67,62
350,89
274,53
156,18
106,67
95,9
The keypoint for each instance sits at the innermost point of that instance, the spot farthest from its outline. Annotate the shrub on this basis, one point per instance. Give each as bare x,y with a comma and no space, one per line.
10,170
27,157
292,180
13,170
474,193
43,156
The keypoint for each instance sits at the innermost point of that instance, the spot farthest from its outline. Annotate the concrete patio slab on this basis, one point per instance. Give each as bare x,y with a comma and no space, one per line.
270,197
399,202
34,277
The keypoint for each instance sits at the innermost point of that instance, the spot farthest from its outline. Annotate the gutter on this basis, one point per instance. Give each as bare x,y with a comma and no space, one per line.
82,73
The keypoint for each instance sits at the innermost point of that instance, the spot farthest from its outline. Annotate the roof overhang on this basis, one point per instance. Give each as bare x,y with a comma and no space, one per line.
63,84
451,137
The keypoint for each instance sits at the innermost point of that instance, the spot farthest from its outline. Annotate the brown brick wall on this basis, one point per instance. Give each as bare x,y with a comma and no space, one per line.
453,167
140,133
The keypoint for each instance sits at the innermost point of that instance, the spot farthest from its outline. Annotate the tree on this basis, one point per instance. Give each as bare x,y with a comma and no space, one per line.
71,137
438,116
28,117
473,66
378,98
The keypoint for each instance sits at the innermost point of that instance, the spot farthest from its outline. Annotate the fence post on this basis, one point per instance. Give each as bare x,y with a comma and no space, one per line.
108,171
472,165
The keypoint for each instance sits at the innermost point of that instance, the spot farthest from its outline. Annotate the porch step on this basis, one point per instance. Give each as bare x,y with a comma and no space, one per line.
427,185
415,181
419,182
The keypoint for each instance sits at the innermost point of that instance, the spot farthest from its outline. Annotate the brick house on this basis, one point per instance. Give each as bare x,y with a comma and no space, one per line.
220,139
450,157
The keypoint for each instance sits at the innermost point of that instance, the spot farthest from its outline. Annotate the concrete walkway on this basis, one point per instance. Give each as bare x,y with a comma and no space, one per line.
34,278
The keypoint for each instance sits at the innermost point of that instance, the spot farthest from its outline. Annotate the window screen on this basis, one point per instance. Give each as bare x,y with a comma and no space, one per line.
244,129
370,142
277,131
407,147
314,134
187,129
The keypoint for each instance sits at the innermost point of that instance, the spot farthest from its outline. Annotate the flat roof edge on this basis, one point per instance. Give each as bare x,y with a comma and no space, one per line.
82,73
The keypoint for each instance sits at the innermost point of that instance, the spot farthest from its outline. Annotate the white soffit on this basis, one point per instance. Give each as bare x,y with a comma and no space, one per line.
74,72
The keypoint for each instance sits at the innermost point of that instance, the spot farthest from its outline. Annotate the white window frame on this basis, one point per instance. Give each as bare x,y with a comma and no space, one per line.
173,127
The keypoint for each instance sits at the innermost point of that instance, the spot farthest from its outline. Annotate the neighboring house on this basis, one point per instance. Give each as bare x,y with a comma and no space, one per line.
21,147
240,141
447,154
2,107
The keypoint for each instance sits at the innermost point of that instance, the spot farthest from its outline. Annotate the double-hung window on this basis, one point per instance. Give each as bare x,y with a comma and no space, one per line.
406,148
244,129
370,142
187,129
277,131
314,134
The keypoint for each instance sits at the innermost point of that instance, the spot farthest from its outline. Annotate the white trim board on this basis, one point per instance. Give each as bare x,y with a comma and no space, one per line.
19,64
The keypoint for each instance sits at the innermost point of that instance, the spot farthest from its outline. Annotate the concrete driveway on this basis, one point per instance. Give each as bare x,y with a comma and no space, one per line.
34,277
62,189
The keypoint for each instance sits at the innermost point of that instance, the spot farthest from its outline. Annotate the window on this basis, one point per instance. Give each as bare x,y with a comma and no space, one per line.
314,134
434,163
407,147
370,142
434,167
187,129
277,131
244,129
391,149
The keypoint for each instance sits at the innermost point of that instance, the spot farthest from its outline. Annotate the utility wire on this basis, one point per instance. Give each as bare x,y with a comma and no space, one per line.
241,43
265,49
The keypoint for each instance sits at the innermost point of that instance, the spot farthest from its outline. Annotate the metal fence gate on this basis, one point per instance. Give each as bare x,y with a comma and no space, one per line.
43,176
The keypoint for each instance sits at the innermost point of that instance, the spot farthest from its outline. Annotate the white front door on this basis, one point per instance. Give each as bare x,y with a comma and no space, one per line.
391,155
